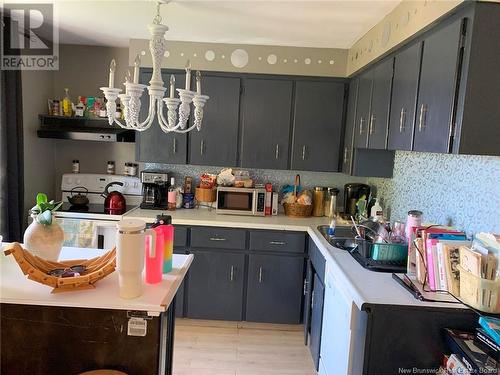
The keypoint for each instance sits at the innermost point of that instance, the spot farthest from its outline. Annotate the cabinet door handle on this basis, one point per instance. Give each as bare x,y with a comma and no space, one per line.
277,152
361,121
281,243
422,118
305,286
260,274
174,146
373,118
231,274
202,146
304,152
312,299
345,154
217,239
402,120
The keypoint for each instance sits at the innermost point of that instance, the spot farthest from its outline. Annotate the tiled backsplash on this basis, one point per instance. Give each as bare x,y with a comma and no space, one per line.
277,178
461,190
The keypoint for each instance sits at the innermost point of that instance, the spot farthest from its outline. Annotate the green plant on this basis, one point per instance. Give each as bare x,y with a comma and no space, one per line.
44,208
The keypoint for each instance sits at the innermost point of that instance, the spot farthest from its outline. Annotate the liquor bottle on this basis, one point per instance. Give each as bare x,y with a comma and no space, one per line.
172,195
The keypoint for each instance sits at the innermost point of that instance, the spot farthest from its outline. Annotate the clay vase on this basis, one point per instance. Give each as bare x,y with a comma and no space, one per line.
44,241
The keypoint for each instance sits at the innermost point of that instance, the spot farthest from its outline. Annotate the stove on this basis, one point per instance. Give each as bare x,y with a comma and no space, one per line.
91,225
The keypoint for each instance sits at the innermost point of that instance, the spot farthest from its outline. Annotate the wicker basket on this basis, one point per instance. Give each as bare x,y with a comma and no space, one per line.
38,269
297,209
206,195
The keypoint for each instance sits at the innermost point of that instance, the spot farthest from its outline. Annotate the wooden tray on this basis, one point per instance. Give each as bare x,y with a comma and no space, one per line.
37,269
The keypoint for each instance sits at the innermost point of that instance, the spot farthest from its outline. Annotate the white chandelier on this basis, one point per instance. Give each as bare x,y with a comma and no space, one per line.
131,100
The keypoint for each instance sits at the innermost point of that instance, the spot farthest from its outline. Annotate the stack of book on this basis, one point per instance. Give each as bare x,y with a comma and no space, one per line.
474,353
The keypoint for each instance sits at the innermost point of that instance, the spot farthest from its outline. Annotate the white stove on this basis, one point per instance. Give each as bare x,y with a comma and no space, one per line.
90,225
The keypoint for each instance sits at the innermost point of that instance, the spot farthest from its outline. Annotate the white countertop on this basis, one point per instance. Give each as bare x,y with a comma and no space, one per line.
16,288
364,286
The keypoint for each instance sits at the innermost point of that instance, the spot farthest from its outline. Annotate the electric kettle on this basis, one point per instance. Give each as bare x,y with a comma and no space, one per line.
114,202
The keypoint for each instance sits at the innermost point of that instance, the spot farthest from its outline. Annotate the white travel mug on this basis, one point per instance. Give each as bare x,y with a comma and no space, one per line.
130,247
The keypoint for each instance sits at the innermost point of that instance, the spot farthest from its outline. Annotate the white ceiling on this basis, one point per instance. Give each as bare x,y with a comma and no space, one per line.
327,24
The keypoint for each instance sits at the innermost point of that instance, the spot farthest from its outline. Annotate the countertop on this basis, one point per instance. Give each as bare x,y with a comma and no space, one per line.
364,286
16,288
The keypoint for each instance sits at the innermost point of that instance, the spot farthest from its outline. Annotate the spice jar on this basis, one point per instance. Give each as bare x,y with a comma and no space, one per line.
330,206
318,201
75,168
111,167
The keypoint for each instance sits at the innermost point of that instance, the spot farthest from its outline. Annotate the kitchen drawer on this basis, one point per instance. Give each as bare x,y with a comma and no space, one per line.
180,236
317,260
291,242
220,238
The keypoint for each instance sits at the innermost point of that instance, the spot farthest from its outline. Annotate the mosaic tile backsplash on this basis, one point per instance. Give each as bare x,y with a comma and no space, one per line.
461,190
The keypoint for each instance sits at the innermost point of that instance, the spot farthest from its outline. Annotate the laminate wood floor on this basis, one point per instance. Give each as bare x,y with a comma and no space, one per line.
205,347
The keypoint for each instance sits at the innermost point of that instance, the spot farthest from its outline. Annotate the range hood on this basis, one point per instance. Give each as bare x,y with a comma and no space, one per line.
83,129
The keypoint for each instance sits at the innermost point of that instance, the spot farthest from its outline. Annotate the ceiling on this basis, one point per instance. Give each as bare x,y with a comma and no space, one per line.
326,24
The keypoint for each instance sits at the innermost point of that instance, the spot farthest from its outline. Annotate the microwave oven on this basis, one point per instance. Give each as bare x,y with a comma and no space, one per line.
240,201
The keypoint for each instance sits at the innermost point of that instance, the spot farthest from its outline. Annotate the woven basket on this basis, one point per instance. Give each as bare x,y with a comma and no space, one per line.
297,209
37,269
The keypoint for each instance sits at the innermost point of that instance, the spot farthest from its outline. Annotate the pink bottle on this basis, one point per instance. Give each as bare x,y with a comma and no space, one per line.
159,257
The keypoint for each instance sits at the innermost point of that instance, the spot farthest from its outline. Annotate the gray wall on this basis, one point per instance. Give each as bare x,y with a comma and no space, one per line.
460,190
39,153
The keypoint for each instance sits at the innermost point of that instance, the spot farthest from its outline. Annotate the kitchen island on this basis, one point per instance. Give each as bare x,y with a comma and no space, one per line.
73,332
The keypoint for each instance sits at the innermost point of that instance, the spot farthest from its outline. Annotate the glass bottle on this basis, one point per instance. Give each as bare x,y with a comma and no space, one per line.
172,195
67,106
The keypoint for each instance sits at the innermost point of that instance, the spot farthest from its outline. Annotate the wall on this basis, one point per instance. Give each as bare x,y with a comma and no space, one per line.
460,190
39,174
83,69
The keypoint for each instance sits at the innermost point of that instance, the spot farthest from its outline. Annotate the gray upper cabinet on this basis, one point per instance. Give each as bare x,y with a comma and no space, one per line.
217,142
404,98
317,125
380,104
266,108
363,109
274,289
347,152
153,145
438,80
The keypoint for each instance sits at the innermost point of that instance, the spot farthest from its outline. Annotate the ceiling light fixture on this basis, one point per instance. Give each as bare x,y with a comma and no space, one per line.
131,100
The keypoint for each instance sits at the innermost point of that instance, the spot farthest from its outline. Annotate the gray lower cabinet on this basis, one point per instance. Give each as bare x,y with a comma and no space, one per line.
153,145
363,109
380,104
180,247
317,125
215,285
274,292
404,98
217,142
438,80
265,115
317,298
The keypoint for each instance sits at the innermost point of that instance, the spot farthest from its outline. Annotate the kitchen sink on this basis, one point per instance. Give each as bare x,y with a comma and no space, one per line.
340,232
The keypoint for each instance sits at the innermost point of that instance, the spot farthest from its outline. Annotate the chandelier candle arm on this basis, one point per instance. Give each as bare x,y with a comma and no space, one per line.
178,109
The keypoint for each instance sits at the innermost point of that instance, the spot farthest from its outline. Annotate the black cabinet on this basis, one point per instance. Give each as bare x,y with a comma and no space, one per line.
404,98
363,109
438,80
215,285
266,108
380,104
348,150
317,298
217,141
153,145
274,292
317,125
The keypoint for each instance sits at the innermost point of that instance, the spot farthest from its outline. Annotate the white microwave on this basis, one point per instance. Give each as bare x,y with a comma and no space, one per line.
241,201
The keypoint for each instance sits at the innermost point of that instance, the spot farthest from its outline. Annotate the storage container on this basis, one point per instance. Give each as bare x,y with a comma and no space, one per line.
395,252
479,293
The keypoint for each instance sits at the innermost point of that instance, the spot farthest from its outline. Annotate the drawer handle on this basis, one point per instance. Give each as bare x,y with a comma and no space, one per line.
217,239
231,274
281,243
260,274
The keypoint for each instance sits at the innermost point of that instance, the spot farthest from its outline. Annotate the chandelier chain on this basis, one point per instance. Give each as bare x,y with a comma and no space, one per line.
157,20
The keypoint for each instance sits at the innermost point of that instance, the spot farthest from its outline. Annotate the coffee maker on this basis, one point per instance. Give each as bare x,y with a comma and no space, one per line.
154,189
352,193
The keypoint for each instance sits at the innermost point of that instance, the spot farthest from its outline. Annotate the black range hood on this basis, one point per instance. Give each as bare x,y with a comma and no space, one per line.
83,129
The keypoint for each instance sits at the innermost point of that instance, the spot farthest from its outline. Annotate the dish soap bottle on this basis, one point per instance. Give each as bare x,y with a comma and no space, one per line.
377,212
67,106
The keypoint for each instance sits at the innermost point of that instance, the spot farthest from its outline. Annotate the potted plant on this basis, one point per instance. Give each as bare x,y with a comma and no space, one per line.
44,237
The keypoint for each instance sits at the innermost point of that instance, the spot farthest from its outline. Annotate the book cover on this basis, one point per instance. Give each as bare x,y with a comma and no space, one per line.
492,327
431,278
476,360
455,366
471,261
443,284
452,260
487,344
